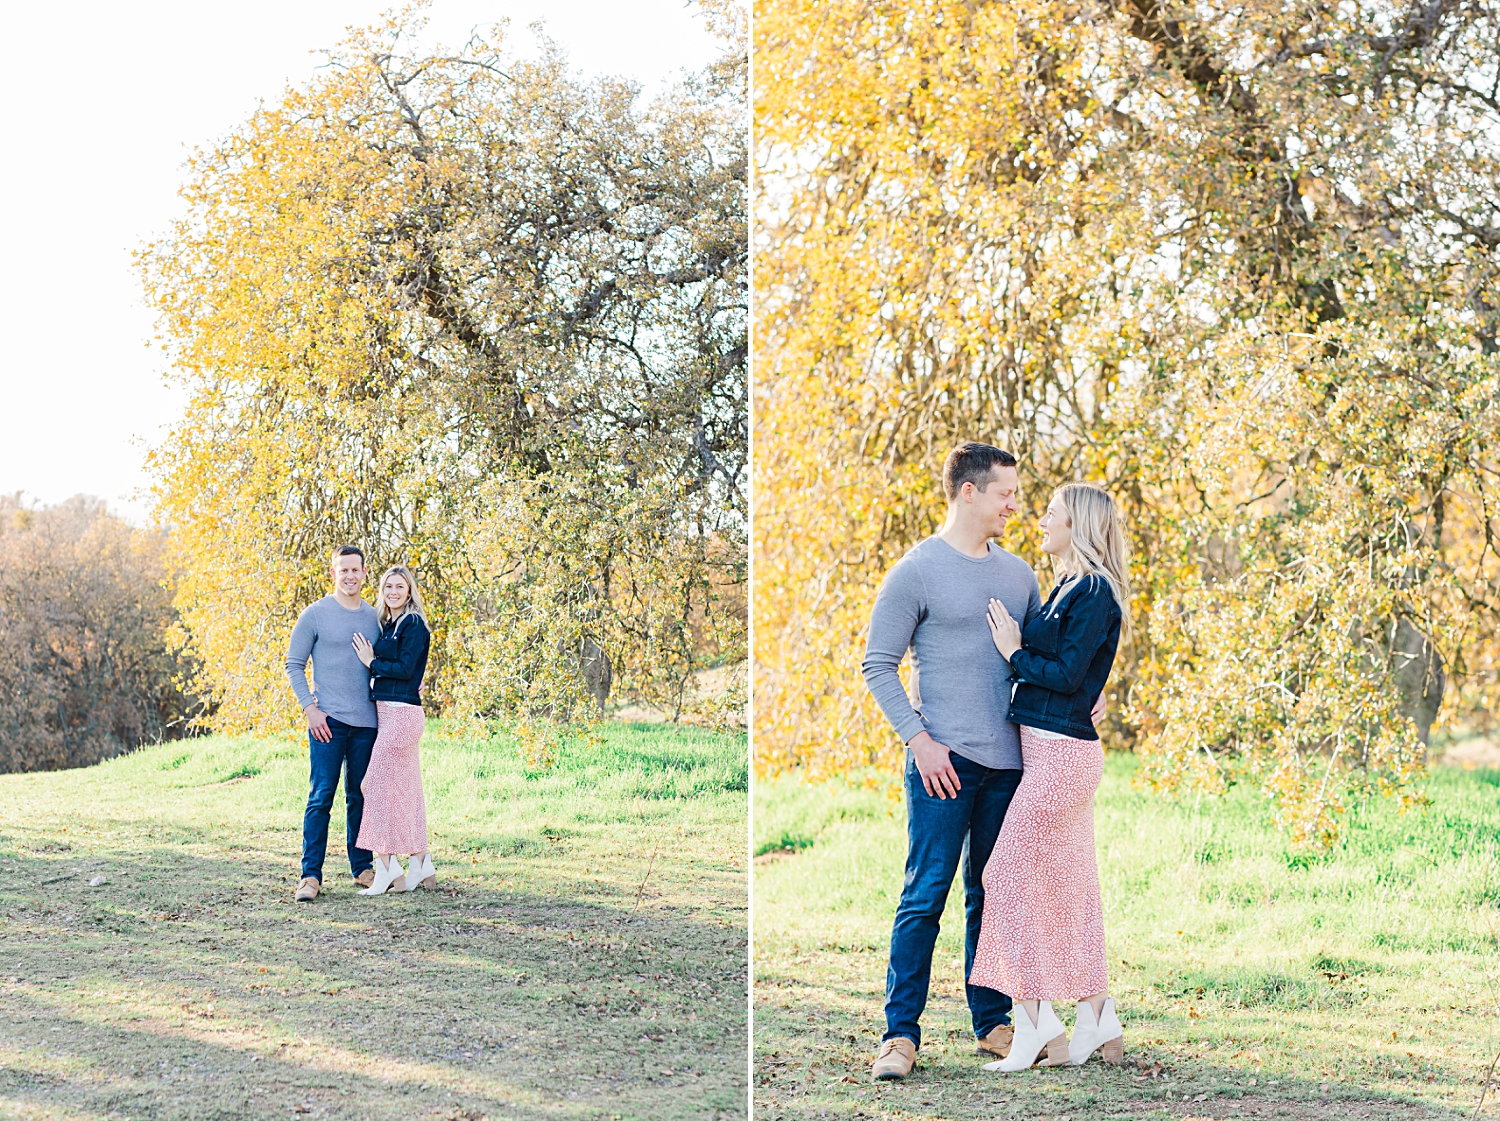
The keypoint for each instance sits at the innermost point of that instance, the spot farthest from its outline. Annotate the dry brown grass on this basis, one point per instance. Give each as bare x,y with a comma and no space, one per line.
527,987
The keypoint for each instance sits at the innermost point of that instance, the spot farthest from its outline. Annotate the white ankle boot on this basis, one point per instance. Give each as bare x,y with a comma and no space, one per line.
1031,1040
1090,1035
421,873
388,876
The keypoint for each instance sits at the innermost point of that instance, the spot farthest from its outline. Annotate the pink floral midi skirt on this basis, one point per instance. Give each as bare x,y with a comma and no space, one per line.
395,817
1043,931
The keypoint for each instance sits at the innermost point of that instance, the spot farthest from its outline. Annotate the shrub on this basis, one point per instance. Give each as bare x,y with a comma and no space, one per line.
88,668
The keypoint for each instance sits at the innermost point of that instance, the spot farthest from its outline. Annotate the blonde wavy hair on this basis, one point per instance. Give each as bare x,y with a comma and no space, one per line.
1098,547
413,599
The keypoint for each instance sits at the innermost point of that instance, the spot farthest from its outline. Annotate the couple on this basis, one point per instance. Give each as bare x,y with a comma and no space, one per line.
366,720
988,692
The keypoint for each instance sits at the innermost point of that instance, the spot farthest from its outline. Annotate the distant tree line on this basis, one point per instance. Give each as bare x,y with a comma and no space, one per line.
89,667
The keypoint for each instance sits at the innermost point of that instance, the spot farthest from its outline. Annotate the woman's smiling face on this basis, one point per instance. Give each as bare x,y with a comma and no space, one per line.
395,592
1057,533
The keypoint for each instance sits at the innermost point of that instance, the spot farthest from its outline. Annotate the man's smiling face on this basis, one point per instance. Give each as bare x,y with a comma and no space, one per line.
349,574
998,502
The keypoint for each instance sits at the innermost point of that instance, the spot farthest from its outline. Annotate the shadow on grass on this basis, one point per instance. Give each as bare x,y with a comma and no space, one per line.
801,1074
190,986
153,1071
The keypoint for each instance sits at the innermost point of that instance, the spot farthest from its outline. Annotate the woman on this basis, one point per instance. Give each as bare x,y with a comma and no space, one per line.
1043,933
395,818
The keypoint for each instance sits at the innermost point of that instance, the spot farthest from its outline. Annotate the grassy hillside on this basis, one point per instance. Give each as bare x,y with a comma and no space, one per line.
1251,982
583,958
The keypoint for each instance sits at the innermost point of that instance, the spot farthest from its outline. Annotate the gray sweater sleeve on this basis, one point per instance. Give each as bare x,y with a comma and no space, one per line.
304,637
899,606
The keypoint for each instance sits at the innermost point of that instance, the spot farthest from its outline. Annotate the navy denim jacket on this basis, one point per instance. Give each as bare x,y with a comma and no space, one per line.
400,661
1066,653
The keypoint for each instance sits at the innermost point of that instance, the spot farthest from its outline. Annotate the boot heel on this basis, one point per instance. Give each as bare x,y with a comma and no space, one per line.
1113,1052
1057,1052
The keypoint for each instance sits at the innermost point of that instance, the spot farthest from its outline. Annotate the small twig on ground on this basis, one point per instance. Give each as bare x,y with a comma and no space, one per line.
1485,1089
642,889
59,879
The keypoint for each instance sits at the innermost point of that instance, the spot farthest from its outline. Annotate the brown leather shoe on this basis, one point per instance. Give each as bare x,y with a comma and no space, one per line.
996,1045
365,878
307,890
897,1056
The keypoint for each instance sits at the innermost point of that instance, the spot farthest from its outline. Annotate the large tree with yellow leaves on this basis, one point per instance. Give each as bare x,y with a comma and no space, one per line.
476,315
1236,262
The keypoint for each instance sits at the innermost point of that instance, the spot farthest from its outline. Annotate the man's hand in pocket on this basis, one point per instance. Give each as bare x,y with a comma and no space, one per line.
936,768
317,724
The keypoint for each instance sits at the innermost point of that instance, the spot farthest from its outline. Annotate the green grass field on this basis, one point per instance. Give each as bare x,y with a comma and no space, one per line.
584,956
1365,984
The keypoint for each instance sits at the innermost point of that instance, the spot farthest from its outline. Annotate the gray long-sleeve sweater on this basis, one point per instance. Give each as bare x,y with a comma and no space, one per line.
325,634
934,601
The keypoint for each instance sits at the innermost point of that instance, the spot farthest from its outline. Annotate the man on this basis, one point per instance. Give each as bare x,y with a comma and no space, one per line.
963,758
340,715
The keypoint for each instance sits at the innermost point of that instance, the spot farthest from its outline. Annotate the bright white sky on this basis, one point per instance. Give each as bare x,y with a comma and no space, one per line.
116,96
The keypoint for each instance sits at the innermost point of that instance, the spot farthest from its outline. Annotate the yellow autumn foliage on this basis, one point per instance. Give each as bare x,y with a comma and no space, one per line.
1237,263
478,316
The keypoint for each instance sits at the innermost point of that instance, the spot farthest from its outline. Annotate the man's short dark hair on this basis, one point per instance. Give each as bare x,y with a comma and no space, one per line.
972,462
348,551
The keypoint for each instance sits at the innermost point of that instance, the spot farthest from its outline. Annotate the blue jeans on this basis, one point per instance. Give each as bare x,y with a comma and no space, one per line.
940,832
348,751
